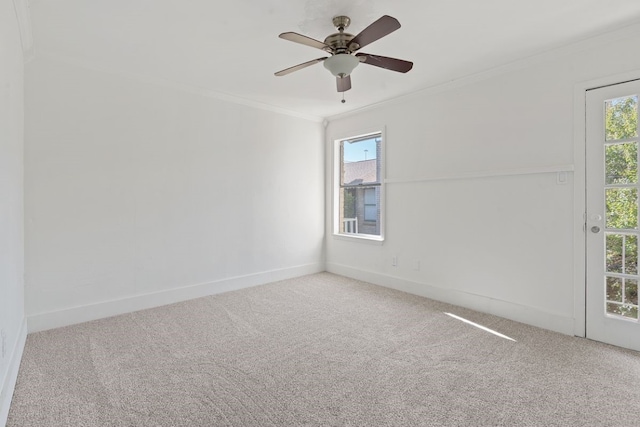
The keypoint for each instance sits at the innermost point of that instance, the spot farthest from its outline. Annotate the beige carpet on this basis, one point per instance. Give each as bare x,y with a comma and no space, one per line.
321,350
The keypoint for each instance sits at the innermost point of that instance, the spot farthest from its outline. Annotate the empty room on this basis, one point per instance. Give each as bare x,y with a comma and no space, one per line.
319,213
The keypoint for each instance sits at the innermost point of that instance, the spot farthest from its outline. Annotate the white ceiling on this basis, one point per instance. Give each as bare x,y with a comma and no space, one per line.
232,48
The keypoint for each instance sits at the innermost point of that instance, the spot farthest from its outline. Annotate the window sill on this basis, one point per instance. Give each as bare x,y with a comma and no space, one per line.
373,240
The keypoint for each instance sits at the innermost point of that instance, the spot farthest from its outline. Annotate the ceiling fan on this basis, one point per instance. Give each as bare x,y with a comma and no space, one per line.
342,47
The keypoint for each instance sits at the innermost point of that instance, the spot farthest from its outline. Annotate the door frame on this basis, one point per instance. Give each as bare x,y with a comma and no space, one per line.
580,192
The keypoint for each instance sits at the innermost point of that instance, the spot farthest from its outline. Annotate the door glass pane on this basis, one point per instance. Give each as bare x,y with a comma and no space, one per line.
622,297
631,291
621,118
614,289
614,253
621,163
622,310
622,208
631,254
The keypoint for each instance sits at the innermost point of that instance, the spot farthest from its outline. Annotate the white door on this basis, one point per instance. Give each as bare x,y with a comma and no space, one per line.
612,215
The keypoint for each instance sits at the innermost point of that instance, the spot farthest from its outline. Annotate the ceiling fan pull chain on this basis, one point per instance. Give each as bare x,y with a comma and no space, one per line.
343,100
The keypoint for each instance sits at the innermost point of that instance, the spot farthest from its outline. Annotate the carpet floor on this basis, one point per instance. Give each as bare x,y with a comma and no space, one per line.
320,350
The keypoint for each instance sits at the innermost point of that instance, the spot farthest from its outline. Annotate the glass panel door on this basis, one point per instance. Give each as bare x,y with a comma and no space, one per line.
612,215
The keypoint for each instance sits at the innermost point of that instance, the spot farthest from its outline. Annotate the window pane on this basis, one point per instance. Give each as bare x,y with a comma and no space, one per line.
622,208
349,202
361,165
621,163
349,223
614,253
621,118
614,289
631,254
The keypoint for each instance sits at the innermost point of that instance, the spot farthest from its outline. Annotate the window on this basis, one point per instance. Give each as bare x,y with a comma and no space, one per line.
358,186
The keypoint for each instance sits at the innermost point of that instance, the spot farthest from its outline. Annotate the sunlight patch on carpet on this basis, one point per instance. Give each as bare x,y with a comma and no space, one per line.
484,328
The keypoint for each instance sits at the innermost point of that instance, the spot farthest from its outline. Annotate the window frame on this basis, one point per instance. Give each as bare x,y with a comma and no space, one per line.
336,185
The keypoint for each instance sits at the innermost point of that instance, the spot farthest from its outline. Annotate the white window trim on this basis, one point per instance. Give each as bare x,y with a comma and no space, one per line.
335,182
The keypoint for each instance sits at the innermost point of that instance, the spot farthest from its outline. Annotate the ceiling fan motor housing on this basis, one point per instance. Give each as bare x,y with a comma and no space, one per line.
340,42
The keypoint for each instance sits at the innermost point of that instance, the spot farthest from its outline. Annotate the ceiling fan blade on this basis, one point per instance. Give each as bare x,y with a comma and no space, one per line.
299,67
344,83
392,64
377,30
307,41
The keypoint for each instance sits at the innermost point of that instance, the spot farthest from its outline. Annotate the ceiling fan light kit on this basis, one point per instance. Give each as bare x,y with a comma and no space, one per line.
341,65
343,47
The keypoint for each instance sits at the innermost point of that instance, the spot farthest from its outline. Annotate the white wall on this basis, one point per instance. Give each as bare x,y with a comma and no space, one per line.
139,195
500,244
12,331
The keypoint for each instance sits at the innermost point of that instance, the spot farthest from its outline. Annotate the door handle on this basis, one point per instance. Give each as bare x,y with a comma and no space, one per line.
595,229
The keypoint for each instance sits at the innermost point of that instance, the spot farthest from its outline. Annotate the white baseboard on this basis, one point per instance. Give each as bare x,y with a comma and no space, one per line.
519,313
85,313
9,384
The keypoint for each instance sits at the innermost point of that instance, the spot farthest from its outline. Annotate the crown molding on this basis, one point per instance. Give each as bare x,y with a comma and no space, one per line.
195,90
548,55
23,17
541,57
